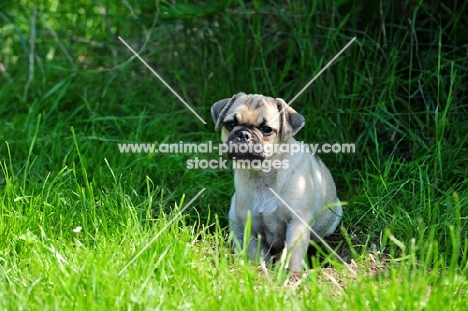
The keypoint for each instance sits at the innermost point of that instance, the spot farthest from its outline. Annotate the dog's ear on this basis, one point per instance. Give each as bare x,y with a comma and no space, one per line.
291,121
220,108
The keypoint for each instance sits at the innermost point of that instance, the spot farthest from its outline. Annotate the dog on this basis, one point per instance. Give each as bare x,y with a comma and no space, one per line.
255,128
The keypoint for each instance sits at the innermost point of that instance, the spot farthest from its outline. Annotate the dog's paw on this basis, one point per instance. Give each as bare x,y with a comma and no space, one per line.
295,277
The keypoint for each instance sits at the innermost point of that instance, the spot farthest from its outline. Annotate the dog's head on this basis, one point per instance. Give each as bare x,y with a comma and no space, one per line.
249,121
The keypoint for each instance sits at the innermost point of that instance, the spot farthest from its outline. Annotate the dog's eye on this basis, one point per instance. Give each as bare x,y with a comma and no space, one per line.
229,125
266,130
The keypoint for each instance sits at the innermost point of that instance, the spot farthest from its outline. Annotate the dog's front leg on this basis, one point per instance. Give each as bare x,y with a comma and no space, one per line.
238,236
258,250
297,242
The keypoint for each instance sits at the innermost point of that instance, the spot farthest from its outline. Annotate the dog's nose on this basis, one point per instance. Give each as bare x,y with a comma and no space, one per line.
243,136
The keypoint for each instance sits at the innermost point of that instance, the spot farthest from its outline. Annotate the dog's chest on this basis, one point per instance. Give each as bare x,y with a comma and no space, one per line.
264,203
268,215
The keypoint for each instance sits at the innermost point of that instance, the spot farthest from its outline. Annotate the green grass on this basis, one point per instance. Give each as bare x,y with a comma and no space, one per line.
74,211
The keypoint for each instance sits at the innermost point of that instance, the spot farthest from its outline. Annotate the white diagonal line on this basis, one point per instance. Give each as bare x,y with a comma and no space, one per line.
159,233
316,76
314,233
321,71
161,79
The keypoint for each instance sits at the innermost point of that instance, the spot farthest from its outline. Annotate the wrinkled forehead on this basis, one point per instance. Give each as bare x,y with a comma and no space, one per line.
255,110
